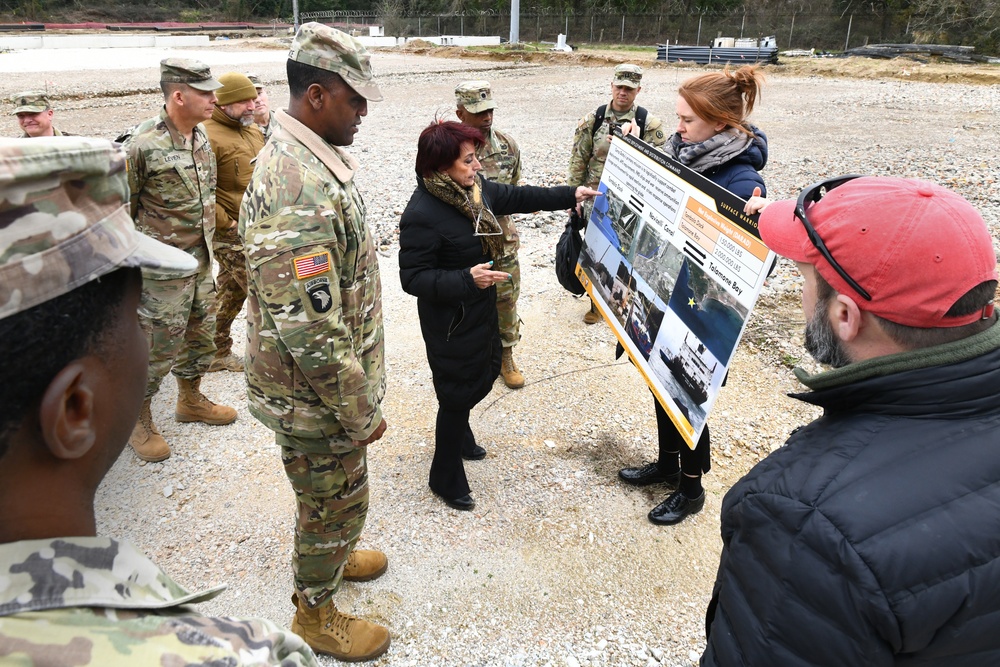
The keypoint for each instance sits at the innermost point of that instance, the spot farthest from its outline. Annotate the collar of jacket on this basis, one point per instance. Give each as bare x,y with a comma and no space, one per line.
220,117
68,572
341,163
939,355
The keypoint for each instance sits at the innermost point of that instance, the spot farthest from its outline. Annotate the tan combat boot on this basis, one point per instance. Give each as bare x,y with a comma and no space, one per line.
343,636
229,362
365,565
193,406
146,441
512,376
592,316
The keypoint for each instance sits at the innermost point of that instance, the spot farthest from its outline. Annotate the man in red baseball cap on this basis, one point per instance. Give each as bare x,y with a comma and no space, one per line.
873,536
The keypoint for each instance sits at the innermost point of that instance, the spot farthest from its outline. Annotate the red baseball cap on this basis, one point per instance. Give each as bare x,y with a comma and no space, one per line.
914,246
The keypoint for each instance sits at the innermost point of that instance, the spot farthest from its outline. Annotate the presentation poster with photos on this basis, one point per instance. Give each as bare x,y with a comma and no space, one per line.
675,267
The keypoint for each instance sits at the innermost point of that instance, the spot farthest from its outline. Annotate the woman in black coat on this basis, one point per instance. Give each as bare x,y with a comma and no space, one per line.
448,239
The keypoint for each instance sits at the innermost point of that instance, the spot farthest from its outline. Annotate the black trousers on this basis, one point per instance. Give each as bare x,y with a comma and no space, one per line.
452,435
693,462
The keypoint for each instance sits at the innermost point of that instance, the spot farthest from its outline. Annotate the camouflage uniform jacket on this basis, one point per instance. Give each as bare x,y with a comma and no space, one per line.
268,130
97,601
55,133
590,149
501,160
314,304
235,146
173,184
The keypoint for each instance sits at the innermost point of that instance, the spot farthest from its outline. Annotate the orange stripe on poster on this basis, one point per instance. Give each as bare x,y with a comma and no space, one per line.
738,236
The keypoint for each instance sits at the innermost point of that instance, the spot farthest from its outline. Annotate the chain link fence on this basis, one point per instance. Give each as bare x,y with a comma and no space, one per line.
792,30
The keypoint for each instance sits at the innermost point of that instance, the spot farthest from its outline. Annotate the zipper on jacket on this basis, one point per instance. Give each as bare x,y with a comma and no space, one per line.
454,325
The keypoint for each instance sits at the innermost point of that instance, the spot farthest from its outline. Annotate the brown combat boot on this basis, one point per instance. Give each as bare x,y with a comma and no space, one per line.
365,565
229,362
193,406
592,316
343,636
512,376
146,441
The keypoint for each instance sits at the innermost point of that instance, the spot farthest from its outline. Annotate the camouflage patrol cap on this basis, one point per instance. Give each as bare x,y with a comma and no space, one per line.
192,72
64,220
628,75
335,51
475,96
31,101
255,80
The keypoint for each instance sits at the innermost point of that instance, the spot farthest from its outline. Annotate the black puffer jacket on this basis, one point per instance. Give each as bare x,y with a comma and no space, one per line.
457,319
873,536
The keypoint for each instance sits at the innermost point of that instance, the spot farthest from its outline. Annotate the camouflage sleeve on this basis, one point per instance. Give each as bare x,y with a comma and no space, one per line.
654,134
310,315
136,176
515,177
583,149
256,642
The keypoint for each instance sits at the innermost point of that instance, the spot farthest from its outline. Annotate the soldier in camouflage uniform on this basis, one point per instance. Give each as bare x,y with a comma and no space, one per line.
501,161
34,115
72,368
262,114
172,178
315,371
592,140
235,142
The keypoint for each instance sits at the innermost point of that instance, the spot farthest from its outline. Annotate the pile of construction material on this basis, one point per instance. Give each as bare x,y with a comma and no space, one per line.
919,52
723,50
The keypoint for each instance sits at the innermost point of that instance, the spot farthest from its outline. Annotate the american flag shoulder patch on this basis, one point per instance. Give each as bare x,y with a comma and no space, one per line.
311,265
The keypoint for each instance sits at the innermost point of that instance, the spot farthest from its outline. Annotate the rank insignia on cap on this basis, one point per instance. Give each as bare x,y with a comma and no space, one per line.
311,265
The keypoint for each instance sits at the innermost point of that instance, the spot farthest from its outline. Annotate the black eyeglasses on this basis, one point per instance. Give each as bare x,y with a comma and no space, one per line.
811,195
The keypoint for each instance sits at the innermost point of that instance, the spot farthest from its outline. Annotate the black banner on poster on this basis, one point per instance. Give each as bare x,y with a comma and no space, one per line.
675,267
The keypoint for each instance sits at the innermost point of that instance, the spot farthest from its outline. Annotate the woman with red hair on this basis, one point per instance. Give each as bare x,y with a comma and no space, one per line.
714,138
448,240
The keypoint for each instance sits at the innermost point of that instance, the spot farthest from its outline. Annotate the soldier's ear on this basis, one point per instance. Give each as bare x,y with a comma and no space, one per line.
314,95
66,413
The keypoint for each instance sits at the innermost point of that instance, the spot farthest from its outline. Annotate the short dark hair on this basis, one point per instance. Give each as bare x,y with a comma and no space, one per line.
440,144
39,342
301,76
169,87
915,338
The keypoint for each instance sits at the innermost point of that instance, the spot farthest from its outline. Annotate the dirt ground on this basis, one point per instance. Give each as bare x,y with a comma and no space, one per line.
558,565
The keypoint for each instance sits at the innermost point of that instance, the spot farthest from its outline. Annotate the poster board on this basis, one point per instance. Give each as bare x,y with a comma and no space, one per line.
675,267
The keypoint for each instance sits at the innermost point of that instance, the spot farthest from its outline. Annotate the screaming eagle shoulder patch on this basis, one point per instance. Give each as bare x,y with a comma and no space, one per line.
320,298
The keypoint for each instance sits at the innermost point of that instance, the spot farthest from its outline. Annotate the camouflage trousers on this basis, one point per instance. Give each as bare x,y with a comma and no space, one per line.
231,292
330,481
509,290
178,317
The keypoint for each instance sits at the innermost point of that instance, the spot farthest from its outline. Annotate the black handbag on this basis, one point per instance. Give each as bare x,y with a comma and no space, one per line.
568,254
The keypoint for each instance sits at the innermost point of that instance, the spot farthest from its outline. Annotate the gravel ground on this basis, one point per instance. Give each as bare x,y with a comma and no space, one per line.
558,565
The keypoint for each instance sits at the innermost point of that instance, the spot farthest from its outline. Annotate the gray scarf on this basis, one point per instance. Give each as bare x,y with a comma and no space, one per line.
712,152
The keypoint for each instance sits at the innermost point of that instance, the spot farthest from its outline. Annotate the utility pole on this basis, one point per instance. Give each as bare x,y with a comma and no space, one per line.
295,15
515,21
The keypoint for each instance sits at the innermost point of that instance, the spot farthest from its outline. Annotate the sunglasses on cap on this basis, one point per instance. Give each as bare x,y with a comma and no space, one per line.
810,196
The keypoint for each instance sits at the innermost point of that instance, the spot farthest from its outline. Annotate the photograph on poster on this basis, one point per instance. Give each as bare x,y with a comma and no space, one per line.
656,260
686,369
709,311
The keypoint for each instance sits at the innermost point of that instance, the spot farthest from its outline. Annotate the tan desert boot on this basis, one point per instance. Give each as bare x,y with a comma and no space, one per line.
343,636
592,316
146,441
365,565
512,377
230,362
192,406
